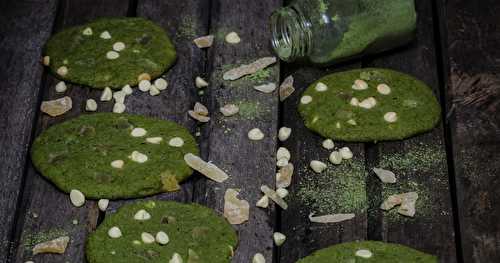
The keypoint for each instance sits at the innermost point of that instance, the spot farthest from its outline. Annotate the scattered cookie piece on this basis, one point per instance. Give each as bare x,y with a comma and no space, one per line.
236,211
61,87
274,196
90,105
208,169
229,110
232,38
57,246
204,41
328,144
106,94
57,107
200,83
77,198
266,88
284,133
286,88
385,176
251,68
331,218
317,166
255,134
279,238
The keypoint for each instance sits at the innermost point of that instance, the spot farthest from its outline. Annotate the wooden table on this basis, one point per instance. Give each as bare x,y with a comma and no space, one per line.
456,52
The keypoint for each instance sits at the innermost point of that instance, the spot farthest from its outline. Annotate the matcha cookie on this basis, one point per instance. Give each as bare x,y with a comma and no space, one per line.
110,52
369,105
368,251
108,155
157,231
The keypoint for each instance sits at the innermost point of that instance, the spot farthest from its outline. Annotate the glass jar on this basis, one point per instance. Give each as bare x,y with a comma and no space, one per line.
325,32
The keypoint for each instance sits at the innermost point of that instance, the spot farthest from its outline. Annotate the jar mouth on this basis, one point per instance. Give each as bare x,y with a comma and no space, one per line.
290,34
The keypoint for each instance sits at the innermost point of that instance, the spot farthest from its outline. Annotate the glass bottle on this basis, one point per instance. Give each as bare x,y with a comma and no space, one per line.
325,32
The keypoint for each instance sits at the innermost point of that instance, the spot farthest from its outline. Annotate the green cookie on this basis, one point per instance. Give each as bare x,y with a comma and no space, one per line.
80,54
341,110
368,251
195,232
84,153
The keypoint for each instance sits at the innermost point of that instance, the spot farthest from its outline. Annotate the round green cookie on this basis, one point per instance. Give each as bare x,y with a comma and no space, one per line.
380,252
195,232
77,154
83,51
330,112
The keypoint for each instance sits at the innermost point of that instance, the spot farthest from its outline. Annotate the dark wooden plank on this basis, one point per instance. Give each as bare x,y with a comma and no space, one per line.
47,212
249,163
183,21
24,28
319,193
419,162
471,73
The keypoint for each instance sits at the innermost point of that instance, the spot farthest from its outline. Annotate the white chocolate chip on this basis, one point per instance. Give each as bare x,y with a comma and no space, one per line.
118,164
153,90
279,238
283,153
77,198
138,157
103,204
118,46
118,108
147,238
282,192
61,87
255,134
232,38
229,110
176,258
328,144
317,166
107,94
390,117
127,89
335,157
352,122
87,31
204,41
337,125
364,253
282,162
161,83
142,215
306,99
368,103
138,132
119,96
346,153
320,87
263,202
46,60
359,84
90,105
112,55
144,85
258,258
383,89
162,238
266,88
354,101
200,83
114,232
105,35
62,71
154,140
284,133
176,142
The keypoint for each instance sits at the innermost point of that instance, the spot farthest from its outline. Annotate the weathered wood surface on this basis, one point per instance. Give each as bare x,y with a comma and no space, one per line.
419,162
472,66
249,163
46,211
25,28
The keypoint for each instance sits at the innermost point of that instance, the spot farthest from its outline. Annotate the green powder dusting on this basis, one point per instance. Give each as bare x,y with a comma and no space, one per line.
36,238
261,75
250,110
422,158
340,189
187,28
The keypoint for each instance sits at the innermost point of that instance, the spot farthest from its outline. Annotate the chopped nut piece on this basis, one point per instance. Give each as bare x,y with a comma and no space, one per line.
255,134
328,144
77,198
142,215
354,102
162,238
229,110
114,232
333,218
103,204
117,164
62,71
263,202
274,196
127,89
321,87
200,109
279,238
286,88
390,117
282,192
198,117
284,133
368,103
161,84
204,42
258,258
56,107
283,153
91,105
232,38
208,169
147,238
138,157
364,253
46,60
176,258
87,31
153,90
284,176
266,88
118,108
346,153
154,140
235,210
112,55
385,176
118,46
406,200
138,132
143,76
200,83
119,96
107,94
318,166
176,142
383,89
144,85
359,84
306,99
335,157
61,87
57,245
105,35
251,68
